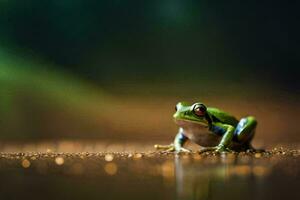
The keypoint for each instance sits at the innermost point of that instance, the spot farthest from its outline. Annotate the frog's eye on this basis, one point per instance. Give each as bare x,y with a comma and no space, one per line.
176,108
199,110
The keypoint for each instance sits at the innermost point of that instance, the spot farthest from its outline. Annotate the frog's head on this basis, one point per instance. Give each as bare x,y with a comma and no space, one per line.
195,113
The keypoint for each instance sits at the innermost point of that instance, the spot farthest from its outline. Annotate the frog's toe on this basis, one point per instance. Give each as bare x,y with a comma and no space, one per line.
216,149
224,150
165,148
206,149
183,150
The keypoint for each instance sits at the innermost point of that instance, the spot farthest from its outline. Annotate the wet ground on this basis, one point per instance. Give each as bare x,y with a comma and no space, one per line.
74,170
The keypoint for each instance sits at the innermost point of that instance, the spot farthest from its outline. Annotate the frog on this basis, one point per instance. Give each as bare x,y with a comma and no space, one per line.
211,128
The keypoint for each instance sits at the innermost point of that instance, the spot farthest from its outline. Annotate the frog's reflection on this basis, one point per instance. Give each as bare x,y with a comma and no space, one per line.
218,178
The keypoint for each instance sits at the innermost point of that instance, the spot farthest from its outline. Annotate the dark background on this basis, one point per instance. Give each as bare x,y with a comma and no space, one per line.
133,60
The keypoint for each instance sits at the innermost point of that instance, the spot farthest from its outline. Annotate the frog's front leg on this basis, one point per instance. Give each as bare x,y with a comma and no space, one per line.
225,141
177,145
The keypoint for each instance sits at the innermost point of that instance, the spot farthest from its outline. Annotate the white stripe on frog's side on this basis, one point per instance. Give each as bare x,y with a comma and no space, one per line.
198,133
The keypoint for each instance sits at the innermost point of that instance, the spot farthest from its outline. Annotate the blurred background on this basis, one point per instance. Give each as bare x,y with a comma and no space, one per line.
114,70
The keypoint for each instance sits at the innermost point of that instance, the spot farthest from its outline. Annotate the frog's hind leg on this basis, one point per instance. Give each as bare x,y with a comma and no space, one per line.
245,131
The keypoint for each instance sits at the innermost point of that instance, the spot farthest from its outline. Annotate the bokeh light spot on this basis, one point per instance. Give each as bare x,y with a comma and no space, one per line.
111,168
25,163
59,160
109,157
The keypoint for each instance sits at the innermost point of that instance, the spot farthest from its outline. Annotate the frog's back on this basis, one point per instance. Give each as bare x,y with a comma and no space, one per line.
218,115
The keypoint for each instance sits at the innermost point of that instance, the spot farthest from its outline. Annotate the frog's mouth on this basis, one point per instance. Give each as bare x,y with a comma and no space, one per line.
188,122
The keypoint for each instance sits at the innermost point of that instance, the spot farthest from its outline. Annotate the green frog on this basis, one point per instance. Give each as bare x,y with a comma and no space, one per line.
211,128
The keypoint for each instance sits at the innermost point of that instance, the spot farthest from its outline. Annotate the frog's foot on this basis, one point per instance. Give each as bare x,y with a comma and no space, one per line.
165,148
217,149
170,148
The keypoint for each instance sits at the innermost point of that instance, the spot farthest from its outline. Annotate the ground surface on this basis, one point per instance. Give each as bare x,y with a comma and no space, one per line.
101,170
